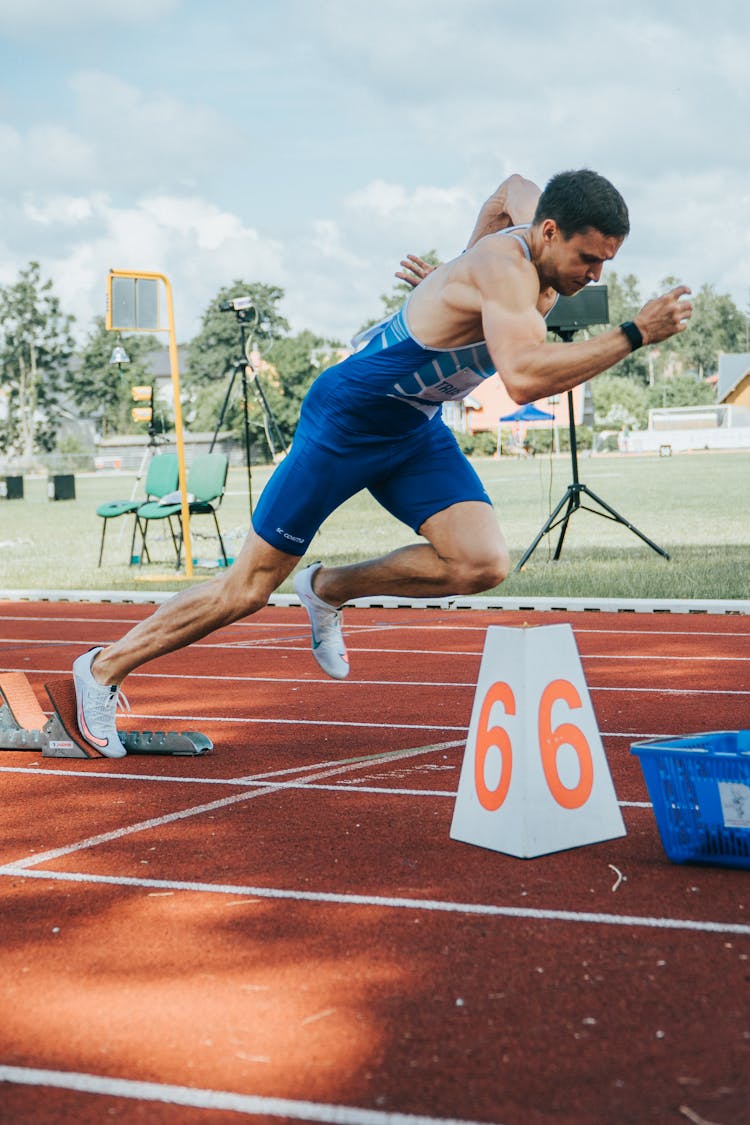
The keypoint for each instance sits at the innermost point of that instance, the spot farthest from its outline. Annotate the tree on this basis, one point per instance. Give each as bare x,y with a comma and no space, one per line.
213,352
717,325
102,390
619,401
297,361
681,390
290,364
35,348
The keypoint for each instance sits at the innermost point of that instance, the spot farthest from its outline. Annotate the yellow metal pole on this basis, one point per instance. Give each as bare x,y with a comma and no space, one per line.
179,437
175,372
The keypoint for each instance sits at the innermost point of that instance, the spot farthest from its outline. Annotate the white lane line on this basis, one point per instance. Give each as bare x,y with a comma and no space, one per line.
196,810
339,685
218,1100
440,906
381,756
674,691
299,784
285,646
615,630
301,722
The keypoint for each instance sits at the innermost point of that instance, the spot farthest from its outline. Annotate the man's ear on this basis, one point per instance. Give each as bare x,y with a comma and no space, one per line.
550,230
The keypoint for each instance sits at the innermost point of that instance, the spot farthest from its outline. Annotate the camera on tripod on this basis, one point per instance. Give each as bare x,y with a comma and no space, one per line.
242,307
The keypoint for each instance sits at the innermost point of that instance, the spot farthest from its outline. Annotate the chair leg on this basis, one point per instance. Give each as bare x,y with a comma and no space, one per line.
176,542
221,541
143,552
143,527
136,525
101,545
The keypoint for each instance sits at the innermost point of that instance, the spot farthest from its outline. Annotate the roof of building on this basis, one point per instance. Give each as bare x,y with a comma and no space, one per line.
732,370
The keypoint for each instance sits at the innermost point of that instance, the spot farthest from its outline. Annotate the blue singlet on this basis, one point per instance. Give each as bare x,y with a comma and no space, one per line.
373,421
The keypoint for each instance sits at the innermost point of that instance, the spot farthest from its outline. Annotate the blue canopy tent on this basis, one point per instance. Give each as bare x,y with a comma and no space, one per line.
527,413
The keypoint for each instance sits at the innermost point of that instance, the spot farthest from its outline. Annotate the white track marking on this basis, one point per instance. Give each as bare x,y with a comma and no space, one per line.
298,783
340,684
302,722
440,906
217,1100
197,810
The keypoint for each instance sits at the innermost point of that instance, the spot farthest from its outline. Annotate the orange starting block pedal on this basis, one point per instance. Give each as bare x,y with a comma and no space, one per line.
25,726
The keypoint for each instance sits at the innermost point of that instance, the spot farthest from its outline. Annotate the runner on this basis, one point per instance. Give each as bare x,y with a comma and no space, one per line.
373,422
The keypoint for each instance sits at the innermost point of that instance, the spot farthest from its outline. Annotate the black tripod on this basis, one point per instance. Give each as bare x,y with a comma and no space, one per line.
248,313
571,499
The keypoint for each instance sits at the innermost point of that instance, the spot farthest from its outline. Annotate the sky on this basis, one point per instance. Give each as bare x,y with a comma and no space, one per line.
310,144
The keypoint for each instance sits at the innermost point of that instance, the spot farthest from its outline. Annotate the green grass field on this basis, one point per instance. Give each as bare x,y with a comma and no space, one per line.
695,506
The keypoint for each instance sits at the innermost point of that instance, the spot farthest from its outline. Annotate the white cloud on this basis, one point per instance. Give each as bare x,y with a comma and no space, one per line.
196,245
312,145
148,137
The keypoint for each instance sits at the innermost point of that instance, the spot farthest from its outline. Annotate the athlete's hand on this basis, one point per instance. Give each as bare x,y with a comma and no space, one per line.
665,316
415,269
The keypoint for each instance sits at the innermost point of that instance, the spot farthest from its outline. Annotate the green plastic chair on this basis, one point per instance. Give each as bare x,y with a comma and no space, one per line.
206,481
161,479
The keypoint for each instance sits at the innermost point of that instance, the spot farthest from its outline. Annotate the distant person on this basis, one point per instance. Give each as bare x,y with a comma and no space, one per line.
373,422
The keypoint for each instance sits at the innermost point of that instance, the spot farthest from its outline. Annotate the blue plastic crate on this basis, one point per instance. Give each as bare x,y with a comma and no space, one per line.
700,789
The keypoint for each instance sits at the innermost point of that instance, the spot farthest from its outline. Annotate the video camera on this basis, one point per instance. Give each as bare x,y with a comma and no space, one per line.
242,307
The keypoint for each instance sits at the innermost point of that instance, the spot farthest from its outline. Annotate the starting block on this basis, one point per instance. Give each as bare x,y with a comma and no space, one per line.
25,726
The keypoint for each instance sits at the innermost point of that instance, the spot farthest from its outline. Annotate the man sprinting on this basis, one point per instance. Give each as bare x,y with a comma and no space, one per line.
374,422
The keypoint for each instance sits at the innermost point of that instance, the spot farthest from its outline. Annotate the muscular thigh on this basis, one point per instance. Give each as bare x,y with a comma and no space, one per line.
429,474
310,483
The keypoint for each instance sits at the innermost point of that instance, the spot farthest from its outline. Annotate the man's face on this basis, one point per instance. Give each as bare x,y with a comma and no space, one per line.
571,264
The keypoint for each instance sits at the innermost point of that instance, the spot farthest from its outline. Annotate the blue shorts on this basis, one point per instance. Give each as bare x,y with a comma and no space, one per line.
413,475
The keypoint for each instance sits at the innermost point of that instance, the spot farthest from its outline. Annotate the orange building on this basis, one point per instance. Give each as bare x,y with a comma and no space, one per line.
489,402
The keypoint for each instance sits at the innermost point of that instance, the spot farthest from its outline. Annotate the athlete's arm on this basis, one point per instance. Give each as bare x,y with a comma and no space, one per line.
515,332
511,204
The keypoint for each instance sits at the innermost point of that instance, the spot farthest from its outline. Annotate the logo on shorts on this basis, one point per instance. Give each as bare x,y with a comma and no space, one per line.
287,535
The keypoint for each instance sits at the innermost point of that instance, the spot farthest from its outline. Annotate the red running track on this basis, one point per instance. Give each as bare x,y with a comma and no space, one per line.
284,930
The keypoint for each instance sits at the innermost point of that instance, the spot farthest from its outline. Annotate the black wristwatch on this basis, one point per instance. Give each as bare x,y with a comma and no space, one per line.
633,333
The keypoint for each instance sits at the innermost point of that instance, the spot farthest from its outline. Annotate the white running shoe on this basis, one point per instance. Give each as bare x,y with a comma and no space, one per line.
96,708
325,620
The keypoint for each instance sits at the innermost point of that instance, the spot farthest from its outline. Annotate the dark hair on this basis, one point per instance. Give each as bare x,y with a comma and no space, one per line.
583,199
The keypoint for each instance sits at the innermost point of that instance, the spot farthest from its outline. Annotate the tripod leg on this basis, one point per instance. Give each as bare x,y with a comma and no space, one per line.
573,504
566,499
615,515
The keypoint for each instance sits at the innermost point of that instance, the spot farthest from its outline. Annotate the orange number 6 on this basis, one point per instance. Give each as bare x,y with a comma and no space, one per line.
551,739
487,736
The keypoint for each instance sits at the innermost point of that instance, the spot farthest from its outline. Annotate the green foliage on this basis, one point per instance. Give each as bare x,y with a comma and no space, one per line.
681,390
619,402
481,444
288,366
716,326
297,360
213,352
35,348
624,302
215,355
100,388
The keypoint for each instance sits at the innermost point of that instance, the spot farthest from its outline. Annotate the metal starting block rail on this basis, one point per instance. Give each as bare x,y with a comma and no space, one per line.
25,726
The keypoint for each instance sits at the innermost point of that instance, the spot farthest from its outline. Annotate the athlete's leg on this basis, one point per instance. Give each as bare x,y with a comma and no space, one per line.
430,486
465,554
245,588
